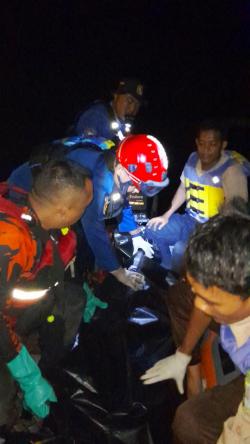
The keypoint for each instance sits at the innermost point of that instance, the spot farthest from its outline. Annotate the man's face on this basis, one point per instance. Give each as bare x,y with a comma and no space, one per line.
122,178
223,307
125,105
209,146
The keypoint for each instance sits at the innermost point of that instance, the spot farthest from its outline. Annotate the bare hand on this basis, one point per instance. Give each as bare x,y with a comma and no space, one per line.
129,278
157,223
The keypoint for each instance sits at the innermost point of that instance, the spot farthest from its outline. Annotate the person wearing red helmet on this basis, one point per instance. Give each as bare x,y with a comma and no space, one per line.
146,163
142,167
139,164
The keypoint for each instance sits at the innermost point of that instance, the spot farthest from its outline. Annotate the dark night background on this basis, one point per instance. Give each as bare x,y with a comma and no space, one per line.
59,55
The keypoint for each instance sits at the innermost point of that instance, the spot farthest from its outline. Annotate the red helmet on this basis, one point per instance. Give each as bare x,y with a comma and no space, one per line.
145,161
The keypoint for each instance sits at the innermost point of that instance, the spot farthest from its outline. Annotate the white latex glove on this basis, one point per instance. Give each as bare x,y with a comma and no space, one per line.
173,367
139,242
134,280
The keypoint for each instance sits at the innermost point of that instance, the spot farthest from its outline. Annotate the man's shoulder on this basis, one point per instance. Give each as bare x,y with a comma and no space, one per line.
97,106
240,162
17,248
88,158
192,159
12,233
228,164
233,168
95,119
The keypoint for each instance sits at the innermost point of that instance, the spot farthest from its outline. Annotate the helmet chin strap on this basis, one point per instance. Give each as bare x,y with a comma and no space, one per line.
123,186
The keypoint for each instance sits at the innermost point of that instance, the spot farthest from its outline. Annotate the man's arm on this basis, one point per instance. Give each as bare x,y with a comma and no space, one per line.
128,224
197,325
100,244
127,221
178,200
94,121
234,183
175,366
12,262
99,241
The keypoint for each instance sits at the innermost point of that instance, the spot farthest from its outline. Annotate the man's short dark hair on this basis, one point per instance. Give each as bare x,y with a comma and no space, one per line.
218,253
56,175
211,124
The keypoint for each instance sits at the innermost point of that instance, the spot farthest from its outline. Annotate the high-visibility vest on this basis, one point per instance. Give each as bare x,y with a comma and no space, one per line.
204,193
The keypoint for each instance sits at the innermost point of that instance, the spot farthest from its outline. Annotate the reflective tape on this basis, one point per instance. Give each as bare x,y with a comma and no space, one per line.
28,295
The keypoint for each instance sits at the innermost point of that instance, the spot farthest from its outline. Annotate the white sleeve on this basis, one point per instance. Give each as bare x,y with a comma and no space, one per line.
182,177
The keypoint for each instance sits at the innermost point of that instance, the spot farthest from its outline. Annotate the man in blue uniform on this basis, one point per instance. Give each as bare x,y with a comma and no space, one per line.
112,120
141,165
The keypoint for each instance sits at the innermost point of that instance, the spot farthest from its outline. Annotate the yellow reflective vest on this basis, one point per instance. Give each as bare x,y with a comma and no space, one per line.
204,193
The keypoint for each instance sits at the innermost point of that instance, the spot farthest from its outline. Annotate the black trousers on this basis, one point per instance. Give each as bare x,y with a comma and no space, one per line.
8,390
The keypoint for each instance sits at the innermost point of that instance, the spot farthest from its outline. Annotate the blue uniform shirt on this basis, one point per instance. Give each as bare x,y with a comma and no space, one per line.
97,121
93,220
21,177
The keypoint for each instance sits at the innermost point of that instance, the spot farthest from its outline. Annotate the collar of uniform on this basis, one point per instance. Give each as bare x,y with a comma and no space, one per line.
32,218
116,118
241,330
36,229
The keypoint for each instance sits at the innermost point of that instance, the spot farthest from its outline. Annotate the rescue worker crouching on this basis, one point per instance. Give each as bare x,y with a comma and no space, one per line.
141,165
32,269
217,263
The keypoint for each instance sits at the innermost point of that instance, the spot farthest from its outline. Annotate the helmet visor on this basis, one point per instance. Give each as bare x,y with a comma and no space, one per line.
151,188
